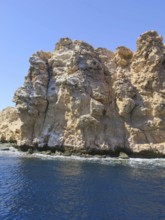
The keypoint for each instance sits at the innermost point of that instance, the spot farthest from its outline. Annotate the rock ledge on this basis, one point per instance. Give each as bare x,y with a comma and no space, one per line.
81,99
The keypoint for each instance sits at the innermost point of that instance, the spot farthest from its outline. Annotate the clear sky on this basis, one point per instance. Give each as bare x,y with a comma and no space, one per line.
28,26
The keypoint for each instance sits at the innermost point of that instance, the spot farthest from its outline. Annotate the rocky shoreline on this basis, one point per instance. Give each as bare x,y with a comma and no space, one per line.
85,153
81,100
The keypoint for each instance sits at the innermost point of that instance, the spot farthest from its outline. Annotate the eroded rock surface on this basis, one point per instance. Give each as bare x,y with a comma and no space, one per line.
9,125
82,98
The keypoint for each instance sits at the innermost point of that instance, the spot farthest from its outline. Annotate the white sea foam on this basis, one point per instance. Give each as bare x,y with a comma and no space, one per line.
11,151
132,162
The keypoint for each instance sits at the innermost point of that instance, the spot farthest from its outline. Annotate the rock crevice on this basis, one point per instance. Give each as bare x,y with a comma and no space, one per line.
87,99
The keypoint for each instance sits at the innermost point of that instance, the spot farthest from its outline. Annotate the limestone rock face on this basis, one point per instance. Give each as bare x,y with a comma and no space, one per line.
93,99
9,125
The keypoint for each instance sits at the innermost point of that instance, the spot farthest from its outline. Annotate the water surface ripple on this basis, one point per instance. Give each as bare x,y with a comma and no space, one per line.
37,187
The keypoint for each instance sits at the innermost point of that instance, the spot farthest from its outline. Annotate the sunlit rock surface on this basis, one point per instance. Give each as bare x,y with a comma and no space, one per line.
10,124
81,98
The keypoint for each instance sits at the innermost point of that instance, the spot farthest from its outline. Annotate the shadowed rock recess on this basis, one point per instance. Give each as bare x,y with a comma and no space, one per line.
81,99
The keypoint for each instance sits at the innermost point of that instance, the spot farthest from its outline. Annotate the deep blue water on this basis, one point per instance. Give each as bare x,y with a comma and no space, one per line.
41,188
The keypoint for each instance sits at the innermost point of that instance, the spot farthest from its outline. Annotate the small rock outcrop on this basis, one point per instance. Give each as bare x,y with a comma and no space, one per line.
9,125
93,100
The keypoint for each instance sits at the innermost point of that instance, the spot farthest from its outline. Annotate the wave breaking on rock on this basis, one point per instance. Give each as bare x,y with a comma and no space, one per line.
81,99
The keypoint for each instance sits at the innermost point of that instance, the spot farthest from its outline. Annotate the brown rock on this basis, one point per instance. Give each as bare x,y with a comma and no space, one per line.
9,125
84,98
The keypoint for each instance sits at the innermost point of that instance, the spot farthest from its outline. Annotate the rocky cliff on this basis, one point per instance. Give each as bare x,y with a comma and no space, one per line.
84,99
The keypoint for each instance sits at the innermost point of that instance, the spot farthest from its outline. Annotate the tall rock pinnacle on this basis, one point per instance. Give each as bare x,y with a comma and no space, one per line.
82,98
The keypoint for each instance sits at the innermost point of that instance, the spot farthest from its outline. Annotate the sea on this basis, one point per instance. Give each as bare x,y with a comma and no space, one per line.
42,187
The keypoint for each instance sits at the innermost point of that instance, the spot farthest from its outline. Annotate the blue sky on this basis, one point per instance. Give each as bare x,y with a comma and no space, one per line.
28,26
